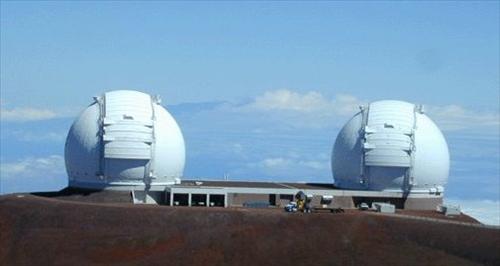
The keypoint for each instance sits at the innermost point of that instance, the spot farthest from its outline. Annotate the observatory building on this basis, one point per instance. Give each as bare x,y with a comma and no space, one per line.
391,146
126,142
124,139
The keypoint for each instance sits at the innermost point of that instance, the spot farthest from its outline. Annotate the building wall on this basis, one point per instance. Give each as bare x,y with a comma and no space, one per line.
422,203
237,199
273,198
284,199
316,201
343,202
398,202
151,197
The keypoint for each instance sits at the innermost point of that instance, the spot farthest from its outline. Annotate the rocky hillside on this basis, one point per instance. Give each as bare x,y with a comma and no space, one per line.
49,231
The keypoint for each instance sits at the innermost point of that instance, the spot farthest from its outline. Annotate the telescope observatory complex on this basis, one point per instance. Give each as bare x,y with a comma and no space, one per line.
126,142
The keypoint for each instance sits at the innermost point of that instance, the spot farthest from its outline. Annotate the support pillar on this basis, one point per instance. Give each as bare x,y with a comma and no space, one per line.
171,197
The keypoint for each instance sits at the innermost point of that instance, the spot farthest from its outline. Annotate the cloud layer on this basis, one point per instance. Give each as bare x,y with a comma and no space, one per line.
454,117
313,108
288,100
33,114
306,108
485,211
33,174
32,166
23,114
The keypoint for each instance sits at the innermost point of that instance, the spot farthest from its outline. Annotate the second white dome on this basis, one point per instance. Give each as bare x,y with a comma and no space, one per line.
391,145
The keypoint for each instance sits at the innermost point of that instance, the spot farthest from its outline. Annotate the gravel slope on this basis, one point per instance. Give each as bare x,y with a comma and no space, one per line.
49,231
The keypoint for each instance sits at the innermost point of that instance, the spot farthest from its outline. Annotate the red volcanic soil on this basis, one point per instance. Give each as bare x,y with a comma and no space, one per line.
48,231
436,215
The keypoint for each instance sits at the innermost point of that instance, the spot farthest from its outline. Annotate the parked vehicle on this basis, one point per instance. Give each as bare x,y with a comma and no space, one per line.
291,207
363,206
303,203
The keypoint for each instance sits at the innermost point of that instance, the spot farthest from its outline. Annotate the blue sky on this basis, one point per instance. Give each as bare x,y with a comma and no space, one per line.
223,70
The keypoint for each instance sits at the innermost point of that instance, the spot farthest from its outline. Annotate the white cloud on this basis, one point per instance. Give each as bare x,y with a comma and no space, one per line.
293,109
455,117
309,102
486,211
278,162
345,104
33,174
22,114
290,100
313,108
29,136
316,165
53,164
282,163
285,168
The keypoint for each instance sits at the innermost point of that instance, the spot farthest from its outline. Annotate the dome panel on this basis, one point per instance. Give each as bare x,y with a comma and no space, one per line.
124,138
390,145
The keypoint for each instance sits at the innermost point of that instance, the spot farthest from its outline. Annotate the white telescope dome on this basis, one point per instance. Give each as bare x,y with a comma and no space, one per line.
391,146
124,138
